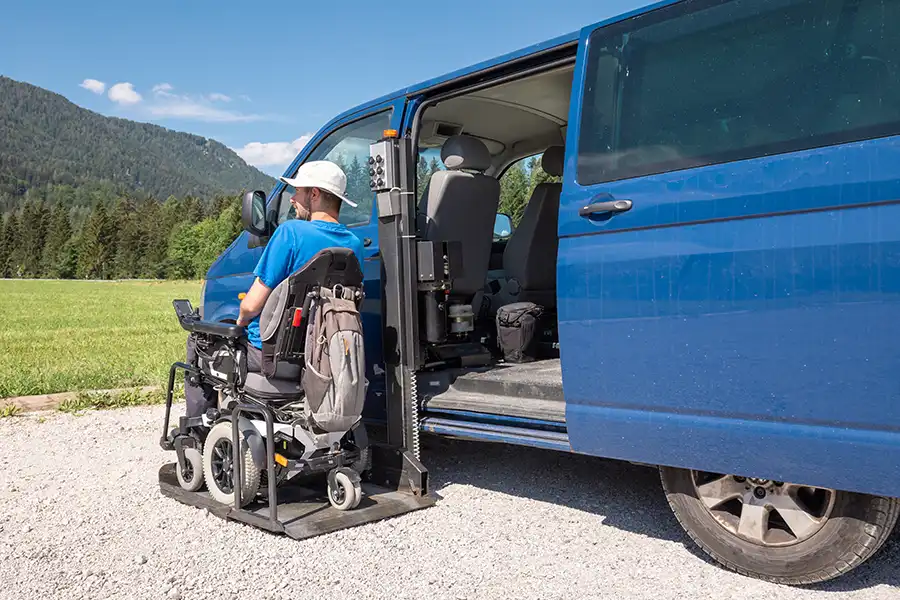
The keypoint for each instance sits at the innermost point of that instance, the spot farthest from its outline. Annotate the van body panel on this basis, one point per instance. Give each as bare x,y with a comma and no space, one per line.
742,317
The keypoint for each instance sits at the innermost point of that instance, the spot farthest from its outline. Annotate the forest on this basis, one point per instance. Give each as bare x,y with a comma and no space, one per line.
139,237
134,239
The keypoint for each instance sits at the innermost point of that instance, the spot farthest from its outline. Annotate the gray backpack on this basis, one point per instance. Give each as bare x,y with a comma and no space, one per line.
334,375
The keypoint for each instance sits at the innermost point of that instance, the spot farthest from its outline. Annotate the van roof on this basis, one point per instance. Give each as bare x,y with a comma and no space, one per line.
465,71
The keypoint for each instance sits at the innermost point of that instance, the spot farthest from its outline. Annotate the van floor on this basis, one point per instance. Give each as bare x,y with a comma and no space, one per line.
529,390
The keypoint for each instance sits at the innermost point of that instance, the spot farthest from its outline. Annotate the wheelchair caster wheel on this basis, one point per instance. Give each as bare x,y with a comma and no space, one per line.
191,478
344,490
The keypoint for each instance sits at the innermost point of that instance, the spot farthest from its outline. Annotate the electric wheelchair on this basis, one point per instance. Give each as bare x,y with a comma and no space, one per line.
266,429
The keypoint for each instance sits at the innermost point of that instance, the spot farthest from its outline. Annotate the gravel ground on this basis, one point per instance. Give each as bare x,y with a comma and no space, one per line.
81,516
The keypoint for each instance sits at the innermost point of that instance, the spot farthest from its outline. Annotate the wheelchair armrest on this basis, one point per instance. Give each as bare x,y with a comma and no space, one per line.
190,320
216,328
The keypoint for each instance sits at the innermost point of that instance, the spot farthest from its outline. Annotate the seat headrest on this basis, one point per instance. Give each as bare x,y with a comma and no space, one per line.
465,152
553,159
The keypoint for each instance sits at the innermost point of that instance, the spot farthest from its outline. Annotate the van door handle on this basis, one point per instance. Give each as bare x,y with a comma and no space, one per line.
608,205
367,242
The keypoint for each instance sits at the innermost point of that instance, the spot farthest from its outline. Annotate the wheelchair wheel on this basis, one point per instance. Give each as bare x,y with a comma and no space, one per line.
191,478
345,493
218,456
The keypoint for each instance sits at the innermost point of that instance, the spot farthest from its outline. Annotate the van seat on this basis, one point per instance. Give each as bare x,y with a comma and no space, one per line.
529,259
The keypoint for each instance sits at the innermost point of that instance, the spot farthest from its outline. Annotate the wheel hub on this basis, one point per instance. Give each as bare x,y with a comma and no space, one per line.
222,466
764,511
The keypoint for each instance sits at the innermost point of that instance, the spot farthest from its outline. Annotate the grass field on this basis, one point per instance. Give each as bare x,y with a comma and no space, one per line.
60,336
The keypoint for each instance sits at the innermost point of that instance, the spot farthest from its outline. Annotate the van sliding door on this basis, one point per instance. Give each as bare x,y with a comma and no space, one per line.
729,257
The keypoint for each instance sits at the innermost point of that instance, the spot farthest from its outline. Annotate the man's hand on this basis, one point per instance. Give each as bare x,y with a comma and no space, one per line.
253,302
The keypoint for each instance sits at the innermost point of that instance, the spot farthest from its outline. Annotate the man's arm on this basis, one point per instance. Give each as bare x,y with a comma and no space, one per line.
253,302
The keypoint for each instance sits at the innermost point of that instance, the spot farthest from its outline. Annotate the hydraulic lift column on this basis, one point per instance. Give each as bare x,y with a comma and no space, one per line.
392,178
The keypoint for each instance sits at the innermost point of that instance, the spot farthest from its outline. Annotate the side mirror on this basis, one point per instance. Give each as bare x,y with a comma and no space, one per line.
253,213
503,226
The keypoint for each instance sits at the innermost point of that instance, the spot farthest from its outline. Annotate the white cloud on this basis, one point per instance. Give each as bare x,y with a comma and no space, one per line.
260,154
244,97
185,107
164,104
162,89
98,87
123,93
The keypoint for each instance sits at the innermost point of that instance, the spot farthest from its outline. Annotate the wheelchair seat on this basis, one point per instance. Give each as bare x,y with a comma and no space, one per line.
263,388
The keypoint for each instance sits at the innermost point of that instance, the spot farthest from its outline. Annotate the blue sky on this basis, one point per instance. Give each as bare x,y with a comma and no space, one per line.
260,76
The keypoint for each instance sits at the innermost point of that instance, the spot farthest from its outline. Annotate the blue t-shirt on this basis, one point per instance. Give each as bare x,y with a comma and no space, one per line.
292,245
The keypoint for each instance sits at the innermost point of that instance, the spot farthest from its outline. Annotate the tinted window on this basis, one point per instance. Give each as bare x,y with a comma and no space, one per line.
706,82
429,163
348,147
517,184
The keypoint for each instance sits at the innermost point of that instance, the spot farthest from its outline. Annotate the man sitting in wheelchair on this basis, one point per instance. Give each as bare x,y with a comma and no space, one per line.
300,358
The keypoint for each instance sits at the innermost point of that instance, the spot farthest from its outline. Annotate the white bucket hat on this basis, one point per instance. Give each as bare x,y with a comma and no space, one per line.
322,174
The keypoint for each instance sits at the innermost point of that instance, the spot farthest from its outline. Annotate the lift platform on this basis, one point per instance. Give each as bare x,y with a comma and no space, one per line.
301,512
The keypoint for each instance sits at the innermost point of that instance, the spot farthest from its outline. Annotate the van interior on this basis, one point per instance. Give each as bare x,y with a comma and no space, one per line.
478,135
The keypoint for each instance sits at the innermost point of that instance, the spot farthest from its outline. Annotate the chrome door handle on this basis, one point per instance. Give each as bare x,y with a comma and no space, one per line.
608,205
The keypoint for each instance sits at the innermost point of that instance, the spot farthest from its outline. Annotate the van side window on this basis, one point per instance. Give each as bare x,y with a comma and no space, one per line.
517,184
429,163
348,147
671,90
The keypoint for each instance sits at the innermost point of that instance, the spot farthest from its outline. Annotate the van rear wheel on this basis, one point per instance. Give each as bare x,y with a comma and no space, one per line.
778,531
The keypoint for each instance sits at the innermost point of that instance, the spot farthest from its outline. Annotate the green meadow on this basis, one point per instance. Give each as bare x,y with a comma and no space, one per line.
60,336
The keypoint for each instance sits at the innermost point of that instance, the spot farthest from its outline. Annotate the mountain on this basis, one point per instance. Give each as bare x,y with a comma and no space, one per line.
45,140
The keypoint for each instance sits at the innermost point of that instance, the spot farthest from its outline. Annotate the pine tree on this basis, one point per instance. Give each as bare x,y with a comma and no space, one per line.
31,238
58,234
340,160
128,239
95,245
514,192
11,267
183,247
422,175
217,206
191,210
68,258
5,243
434,166
537,175
161,223
153,239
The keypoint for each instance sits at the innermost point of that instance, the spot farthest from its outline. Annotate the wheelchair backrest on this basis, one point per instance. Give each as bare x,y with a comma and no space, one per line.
283,321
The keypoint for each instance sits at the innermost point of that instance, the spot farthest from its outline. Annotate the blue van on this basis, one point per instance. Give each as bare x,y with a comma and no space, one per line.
708,274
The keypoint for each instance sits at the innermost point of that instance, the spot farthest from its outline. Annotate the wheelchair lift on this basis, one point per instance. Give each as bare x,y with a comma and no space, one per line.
397,482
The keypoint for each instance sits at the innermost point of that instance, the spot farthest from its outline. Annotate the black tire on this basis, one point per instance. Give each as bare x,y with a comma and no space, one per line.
192,480
219,439
856,527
